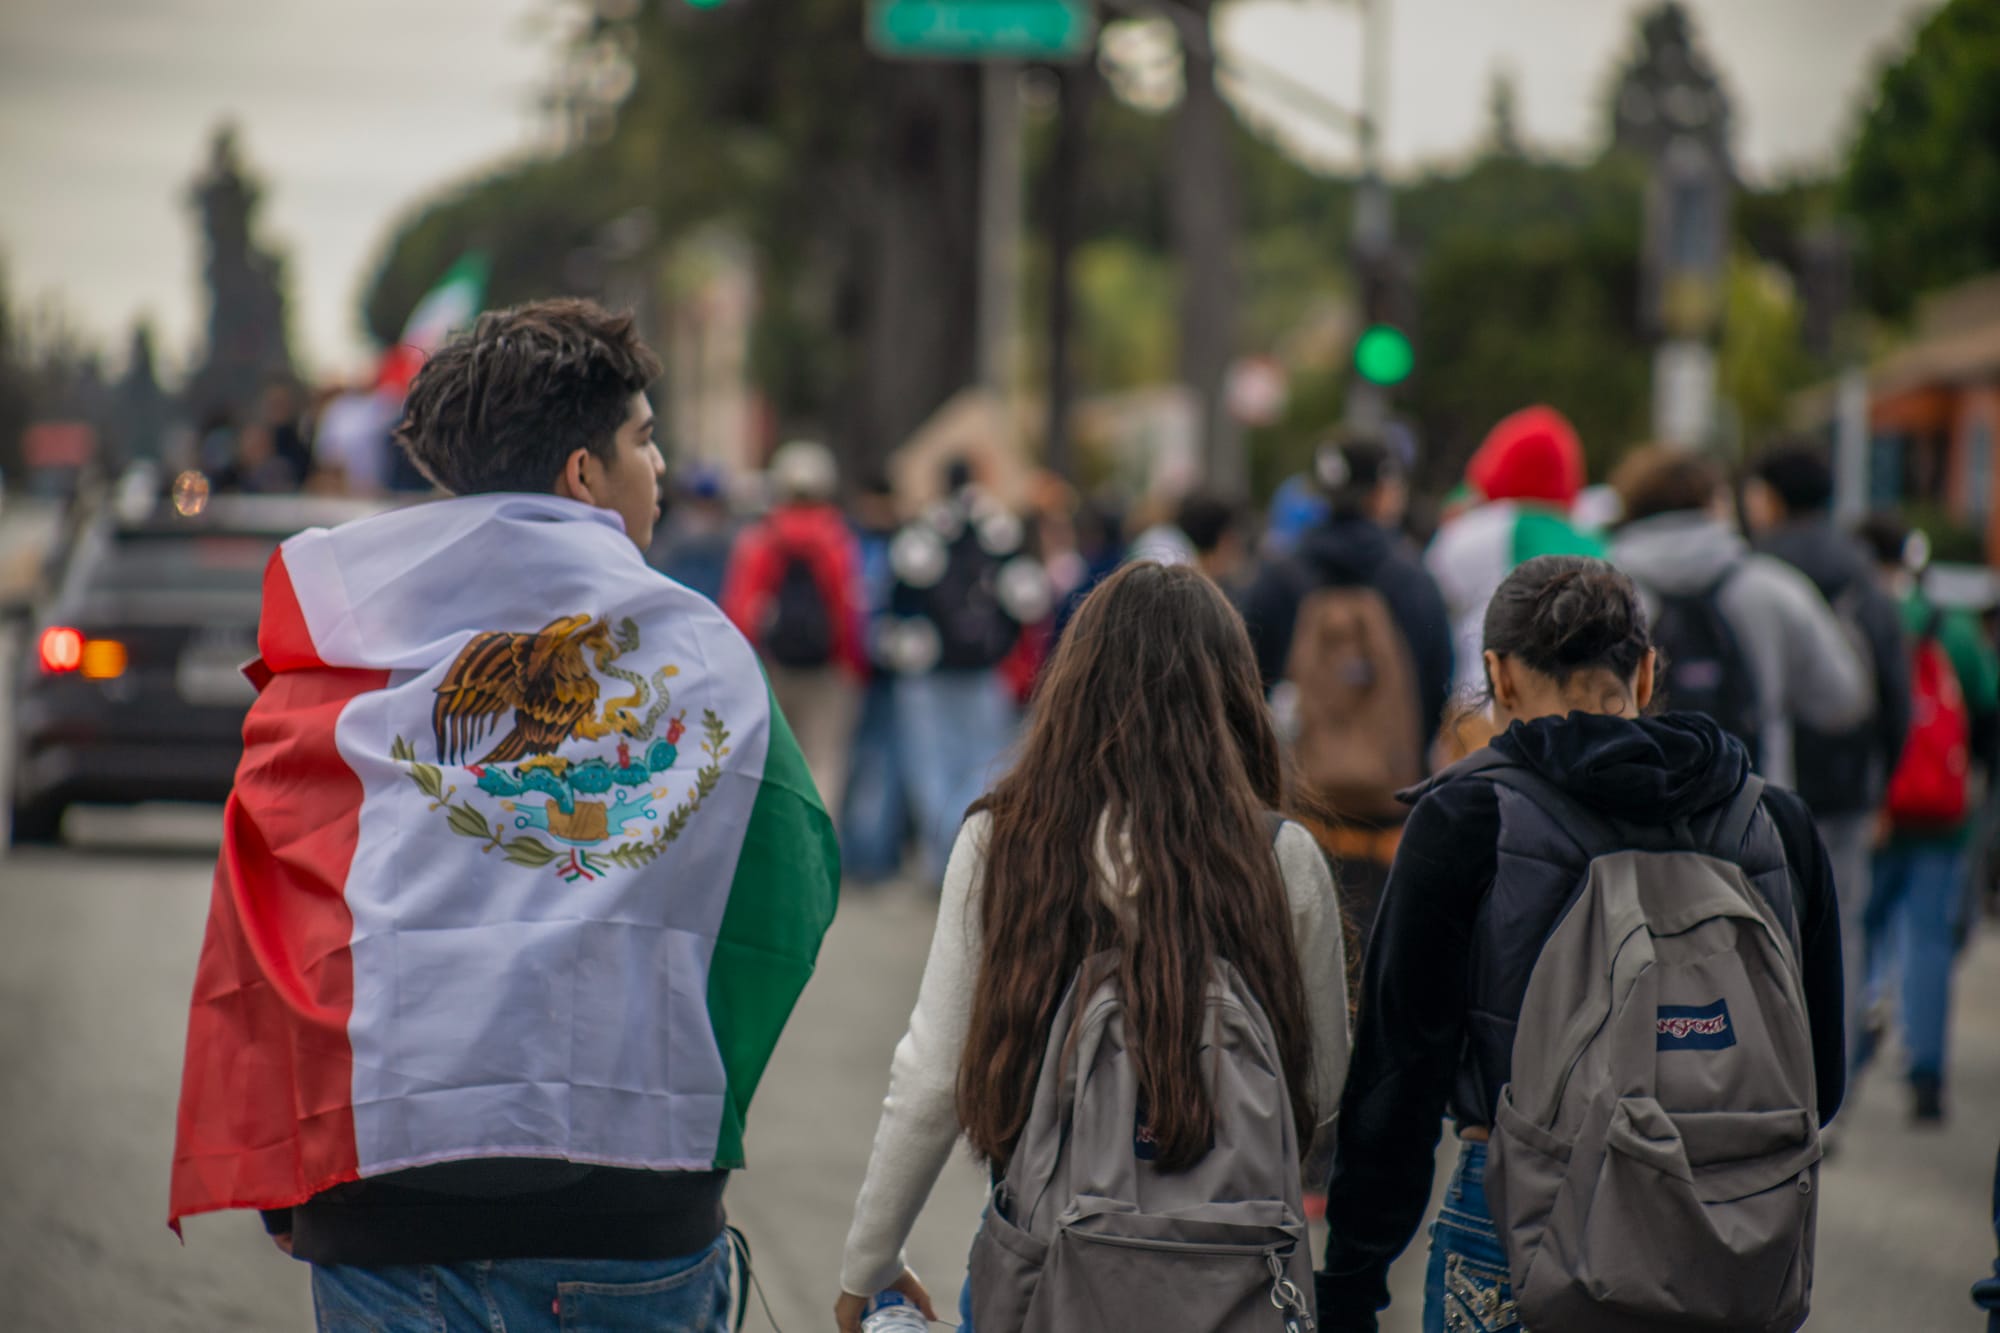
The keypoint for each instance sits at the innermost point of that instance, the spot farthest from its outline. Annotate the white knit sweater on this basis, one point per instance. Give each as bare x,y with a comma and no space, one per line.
919,1116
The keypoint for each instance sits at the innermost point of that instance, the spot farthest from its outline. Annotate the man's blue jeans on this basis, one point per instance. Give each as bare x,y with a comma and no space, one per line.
685,1295
1467,1288
1913,919
954,728
876,821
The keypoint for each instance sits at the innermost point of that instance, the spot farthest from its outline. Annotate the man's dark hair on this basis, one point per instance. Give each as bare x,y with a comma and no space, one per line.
1886,536
1205,520
1663,479
1352,468
502,407
1799,472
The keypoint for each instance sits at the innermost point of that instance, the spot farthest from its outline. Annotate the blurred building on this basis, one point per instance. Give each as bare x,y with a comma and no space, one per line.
1934,413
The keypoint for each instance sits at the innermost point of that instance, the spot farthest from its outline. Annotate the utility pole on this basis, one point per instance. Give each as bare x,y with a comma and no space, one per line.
1374,239
999,223
1078,84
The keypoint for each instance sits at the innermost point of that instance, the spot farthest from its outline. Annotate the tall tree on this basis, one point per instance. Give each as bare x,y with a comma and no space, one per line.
1923,179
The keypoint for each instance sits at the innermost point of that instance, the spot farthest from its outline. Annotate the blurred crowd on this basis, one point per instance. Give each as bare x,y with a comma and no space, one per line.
903,638
903,628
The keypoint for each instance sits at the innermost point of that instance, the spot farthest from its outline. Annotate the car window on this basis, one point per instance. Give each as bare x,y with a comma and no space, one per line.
185,562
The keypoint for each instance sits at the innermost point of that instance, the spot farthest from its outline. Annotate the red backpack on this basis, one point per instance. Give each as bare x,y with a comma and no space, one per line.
1930,788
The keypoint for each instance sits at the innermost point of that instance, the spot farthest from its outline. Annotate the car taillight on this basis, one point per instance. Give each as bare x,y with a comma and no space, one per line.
61,650
103,659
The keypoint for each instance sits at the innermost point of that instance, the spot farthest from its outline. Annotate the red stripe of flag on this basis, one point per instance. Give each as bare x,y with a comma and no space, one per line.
266,1113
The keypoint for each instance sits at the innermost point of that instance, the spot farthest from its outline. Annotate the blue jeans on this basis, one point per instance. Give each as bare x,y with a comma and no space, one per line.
1913,919
953,730
1467,1288
877,815
1986,1292
685,1295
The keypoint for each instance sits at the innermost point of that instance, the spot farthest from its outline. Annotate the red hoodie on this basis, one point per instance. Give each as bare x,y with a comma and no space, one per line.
818,534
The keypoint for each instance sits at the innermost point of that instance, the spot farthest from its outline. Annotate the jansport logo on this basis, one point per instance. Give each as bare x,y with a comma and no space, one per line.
1686,1027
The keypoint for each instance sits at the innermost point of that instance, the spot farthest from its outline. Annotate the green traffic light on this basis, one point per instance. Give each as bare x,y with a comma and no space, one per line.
1383,355
703,4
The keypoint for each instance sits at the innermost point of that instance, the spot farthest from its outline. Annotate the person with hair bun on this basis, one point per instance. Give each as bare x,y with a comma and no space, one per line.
1484,875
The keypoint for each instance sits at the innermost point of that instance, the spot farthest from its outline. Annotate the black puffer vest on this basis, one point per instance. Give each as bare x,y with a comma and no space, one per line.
1540,871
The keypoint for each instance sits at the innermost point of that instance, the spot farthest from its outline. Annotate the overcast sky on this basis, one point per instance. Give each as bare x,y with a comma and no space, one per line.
354,110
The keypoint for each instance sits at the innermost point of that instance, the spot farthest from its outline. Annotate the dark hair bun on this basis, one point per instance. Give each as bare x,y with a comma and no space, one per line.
1581,615
1562,614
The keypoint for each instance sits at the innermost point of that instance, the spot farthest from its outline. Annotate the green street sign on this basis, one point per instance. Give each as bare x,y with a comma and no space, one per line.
980,29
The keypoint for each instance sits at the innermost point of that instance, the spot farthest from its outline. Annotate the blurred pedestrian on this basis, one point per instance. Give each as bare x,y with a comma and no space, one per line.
352,445
1355,646
1214,528
480,1051
1137,821
1520,486
697,533
1483,956
965,590
1986,1292
1917,914
257,468
875,823
281,412
1747,638
794,589
1842,776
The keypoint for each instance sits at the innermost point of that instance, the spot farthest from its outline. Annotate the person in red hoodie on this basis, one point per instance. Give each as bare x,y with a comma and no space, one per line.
794,589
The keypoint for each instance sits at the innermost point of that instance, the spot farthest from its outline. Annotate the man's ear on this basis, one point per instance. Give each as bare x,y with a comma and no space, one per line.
573,482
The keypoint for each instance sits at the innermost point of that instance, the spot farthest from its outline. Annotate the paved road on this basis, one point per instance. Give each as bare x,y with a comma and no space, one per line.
97,951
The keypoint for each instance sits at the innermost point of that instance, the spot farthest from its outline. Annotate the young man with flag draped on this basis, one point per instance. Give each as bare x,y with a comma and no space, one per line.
521,877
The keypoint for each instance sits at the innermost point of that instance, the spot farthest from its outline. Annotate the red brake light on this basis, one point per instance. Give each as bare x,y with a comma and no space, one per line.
61,650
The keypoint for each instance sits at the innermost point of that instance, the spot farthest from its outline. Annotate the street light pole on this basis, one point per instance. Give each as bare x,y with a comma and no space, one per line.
999,222
1374,239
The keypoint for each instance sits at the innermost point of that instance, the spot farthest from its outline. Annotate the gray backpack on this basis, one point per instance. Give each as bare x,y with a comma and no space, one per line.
1084,1234
1655,1157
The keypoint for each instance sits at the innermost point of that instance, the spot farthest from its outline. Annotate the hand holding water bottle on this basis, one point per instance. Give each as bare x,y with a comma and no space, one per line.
850,1310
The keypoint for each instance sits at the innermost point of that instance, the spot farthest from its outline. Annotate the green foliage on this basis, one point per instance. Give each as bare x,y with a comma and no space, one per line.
1527,293
1953,541
1125,323
1761,364
1924,175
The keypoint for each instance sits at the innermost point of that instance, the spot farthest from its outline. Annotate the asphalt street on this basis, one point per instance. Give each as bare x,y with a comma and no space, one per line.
97,952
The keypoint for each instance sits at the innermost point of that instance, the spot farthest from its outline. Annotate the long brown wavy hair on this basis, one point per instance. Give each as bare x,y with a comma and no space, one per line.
1152,720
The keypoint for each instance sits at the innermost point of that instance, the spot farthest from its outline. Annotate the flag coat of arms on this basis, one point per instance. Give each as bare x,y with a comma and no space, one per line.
521,860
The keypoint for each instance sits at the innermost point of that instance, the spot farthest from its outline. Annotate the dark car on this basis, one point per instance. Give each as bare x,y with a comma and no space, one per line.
131,688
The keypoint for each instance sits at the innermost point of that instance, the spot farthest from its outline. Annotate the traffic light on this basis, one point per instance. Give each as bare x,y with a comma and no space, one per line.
1383,355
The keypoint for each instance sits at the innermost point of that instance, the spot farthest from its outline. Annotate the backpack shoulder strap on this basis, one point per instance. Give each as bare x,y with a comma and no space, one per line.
1593,833
1721,581
1735,823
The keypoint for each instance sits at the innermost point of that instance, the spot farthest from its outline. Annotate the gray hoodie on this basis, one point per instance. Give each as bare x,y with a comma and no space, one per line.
1807,670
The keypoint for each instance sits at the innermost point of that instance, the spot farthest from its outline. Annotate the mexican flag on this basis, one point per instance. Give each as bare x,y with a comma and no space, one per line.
447,307
521,861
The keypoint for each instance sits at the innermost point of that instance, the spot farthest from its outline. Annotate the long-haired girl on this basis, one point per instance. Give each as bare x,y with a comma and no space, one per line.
1135,820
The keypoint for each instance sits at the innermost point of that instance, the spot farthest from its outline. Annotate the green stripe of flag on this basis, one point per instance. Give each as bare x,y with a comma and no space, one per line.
781,902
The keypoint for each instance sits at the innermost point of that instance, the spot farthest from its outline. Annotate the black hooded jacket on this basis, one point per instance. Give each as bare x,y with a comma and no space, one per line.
1353,551
1451,953
1848,774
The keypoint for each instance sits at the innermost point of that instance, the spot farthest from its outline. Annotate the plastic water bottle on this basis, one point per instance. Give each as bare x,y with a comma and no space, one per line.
892,1312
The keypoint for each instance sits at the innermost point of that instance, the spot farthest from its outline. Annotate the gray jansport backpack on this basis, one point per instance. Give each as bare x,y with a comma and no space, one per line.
1655,1157
1084,1235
